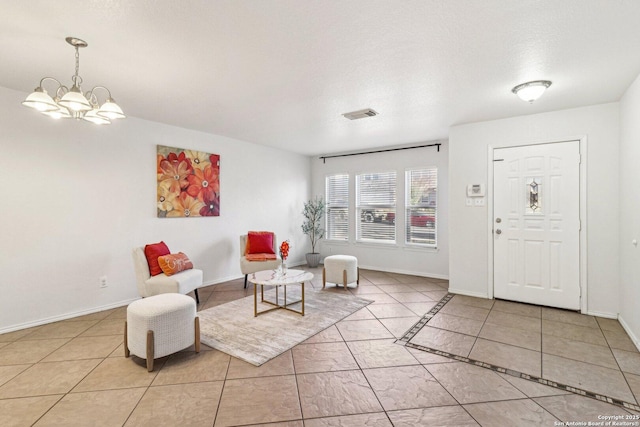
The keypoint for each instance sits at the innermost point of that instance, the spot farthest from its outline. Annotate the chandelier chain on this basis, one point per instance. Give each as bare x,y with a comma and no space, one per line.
77,80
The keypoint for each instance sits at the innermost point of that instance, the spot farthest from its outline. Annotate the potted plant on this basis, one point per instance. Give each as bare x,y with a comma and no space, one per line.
312,226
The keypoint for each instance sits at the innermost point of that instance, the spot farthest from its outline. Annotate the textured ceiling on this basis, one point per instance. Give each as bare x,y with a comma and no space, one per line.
281,72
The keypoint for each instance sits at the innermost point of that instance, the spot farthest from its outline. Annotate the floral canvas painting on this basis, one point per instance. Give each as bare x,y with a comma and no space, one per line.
188,183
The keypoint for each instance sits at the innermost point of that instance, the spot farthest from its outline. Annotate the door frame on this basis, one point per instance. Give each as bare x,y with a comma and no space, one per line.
583,212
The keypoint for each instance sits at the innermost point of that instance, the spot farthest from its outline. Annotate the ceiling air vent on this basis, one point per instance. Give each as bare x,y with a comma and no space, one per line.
360,114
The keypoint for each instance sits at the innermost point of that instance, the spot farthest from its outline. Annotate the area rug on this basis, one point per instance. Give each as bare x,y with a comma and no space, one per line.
233,329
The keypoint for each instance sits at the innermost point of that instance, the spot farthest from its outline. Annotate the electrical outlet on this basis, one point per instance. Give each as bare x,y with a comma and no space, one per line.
103,281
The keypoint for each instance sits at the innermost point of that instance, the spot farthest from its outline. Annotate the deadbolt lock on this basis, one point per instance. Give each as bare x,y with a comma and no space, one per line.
498,231
498,220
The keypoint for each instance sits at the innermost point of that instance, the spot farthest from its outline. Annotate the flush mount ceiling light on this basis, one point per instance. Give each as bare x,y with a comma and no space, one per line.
72,103
531,91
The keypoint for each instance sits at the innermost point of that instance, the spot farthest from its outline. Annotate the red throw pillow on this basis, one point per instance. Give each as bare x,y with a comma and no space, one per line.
152,252
174,263
260,242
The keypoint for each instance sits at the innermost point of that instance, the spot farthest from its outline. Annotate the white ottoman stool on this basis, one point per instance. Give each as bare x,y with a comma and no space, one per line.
160,325
340,269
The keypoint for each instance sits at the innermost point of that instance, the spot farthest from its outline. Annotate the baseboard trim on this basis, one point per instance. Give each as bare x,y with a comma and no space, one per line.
65,316
365,267
412,273
220,280
602,314
296,263
629,332
229,278
467,293
71,315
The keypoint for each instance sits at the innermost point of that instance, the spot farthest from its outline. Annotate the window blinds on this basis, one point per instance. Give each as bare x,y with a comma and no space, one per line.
376,207
421,204
337,207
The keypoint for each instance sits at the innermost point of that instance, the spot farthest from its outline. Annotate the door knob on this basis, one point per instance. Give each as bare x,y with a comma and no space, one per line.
498,231
498,220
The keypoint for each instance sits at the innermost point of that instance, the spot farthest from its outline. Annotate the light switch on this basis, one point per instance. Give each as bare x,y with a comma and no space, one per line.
469,202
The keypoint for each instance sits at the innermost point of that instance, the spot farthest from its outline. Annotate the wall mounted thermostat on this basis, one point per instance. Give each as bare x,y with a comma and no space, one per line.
475,190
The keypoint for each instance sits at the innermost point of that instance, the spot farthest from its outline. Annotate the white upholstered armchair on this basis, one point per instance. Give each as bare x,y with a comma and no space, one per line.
247,267
182,282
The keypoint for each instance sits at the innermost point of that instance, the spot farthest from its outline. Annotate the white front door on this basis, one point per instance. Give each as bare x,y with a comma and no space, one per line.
536,224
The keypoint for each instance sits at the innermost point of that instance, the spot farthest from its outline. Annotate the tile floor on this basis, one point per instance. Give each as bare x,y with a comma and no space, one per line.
73,372
584,352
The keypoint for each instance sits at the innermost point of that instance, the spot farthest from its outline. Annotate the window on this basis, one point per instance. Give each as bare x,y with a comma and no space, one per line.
337,197
421,206
376,207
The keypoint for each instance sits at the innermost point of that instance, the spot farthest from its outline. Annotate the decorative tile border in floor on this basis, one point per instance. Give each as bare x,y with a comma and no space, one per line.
406,338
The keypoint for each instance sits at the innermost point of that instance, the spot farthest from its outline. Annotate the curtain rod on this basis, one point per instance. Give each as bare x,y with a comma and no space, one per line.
324,158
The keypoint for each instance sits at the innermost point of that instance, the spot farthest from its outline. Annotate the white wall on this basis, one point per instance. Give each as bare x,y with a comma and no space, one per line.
468,148
76,198
629,209
396,258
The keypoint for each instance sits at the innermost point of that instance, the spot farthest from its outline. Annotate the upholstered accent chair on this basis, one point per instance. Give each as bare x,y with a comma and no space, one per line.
247,267
148,285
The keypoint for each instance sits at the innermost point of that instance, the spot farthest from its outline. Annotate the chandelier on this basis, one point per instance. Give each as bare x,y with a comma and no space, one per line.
72,103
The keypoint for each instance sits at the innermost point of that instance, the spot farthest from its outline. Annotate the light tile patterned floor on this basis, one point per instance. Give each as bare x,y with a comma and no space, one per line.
73,373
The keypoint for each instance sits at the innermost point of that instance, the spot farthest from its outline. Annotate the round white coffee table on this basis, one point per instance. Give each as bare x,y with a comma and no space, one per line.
278,278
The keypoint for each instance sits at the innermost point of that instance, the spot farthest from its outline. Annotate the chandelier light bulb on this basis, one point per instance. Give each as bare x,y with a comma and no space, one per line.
61,113
40,100
111,110
95,118
75,100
